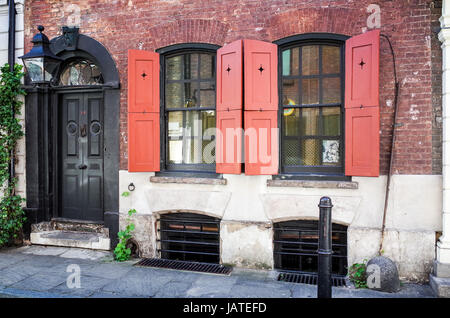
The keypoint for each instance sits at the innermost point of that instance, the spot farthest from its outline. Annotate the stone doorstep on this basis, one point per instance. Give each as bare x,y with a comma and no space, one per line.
440,286
88,240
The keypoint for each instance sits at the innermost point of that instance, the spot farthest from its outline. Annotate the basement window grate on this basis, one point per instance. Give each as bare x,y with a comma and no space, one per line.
308,278
185,266
296,244
189,237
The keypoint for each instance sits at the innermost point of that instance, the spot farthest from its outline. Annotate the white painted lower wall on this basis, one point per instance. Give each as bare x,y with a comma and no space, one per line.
248,208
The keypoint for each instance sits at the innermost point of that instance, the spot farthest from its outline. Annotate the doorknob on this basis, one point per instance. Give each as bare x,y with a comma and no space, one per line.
82,167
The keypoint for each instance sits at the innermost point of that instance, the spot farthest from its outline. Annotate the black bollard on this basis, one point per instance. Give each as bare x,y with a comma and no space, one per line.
325,249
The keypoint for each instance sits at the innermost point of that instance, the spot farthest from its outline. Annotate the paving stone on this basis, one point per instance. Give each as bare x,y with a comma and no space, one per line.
102,270
43,250
138,283
88,286
39,282
256,289
12,275
78,253
174,289
211,286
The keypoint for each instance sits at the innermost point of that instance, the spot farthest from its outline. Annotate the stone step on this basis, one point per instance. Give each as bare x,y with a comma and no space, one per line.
89,240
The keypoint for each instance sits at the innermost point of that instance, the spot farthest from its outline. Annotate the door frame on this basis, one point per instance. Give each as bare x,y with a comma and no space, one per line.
41,129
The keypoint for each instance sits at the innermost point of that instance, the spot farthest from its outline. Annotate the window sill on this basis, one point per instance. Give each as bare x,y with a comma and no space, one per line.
313,184
188,180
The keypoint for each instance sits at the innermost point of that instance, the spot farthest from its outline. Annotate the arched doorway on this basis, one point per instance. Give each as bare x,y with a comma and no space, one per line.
87,157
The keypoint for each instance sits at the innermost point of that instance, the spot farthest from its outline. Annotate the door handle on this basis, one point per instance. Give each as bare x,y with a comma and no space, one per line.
83,131
82,167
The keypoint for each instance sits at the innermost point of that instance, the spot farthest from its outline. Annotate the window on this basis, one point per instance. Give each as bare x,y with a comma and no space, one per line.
296,244
312,121
189,237
189,105
81,72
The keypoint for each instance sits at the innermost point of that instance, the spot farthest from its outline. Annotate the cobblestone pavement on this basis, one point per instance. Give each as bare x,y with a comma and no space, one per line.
38,271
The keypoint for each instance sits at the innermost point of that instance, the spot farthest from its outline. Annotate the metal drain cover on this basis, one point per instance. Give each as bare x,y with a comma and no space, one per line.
310,279
185,266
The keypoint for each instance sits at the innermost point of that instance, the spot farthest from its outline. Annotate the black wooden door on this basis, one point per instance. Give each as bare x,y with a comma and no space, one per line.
81,183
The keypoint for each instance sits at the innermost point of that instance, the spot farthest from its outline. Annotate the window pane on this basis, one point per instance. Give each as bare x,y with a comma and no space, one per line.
310,60
207,94
207,67
291,152
174,67
330,154
291,118
290,92
78,72
175,135
331,90
309,122
191,94
310,152
290,61
190,66
200,127
174,95
310,91
208,136
331,121
331,59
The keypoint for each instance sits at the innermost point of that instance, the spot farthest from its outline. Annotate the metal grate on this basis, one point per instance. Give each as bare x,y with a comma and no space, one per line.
189,237
296,244
310,279
185,266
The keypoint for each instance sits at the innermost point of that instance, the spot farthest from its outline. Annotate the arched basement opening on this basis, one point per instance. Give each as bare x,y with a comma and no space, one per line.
189,237
296,243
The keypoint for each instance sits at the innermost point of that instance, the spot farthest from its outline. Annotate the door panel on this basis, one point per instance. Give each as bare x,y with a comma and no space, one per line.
82,156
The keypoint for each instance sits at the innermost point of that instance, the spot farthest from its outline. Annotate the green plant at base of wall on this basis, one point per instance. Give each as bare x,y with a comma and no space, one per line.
357,274
121,252
12,215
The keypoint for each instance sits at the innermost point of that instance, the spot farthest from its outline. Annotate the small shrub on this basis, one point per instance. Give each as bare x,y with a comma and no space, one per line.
358,275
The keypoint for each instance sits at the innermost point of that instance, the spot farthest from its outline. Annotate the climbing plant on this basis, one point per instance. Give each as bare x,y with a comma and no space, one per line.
12,215
122,252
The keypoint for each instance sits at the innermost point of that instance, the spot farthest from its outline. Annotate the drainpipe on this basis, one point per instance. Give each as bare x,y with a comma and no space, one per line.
11,61
443,245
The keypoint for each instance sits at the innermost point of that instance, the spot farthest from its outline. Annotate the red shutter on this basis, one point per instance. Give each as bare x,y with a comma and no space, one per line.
261,104
260,75
143,142
362,114
362,140
229,142
229,77
143,111
261,142
229,108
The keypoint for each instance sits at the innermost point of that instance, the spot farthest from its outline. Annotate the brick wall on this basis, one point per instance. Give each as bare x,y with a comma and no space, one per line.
130,24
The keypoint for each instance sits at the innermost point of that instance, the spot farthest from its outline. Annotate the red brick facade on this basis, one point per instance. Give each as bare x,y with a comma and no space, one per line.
136,24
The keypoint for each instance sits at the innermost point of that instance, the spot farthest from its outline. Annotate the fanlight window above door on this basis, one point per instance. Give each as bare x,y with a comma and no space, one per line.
81,72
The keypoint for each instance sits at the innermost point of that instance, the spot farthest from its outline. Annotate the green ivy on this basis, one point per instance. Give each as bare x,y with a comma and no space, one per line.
11,212
122,252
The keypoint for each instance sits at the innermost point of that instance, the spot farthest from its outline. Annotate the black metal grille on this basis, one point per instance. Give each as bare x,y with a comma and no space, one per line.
296,244
186,266
310,279
189,237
